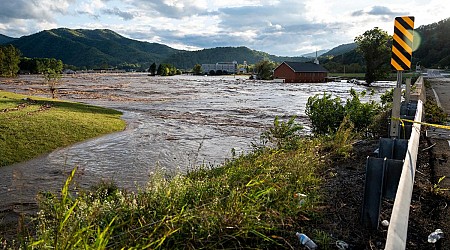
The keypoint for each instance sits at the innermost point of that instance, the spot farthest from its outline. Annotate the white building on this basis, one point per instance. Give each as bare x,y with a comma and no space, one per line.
224,67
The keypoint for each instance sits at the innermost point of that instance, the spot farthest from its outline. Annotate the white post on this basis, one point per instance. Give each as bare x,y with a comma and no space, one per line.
396,103
408,90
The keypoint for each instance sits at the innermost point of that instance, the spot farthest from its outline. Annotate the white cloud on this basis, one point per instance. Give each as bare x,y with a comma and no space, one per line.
280,27
90,7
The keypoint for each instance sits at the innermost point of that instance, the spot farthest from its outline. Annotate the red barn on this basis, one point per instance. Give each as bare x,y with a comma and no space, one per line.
300,72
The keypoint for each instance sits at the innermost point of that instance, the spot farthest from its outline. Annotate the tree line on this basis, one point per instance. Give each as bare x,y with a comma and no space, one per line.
11,63
164,69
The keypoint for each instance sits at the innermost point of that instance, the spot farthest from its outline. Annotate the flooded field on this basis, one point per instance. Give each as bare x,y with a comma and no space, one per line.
174,123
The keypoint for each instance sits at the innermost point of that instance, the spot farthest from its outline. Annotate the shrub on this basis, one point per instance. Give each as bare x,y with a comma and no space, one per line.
434,114
326,113
360,114
283,134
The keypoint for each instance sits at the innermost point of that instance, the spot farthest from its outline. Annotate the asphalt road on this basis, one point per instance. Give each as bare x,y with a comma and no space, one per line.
441,138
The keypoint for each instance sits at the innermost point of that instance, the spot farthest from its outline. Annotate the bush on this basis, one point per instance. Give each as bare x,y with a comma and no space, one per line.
360,114
283,134
326,113
434,114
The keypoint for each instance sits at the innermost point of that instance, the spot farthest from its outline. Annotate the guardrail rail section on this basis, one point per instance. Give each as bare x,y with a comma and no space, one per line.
390,174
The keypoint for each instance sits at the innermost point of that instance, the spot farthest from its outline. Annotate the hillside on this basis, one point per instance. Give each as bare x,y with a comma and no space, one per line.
313,54
187,59
5,39
90,48
434,49
100,48
341,49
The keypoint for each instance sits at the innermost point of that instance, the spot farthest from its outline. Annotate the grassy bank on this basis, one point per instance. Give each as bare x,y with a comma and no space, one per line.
391,76
31,126
258,200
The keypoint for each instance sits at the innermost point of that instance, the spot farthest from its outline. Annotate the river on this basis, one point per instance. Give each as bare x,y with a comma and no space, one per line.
174,124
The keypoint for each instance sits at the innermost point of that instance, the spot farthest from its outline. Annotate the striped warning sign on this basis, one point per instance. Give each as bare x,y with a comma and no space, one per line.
402,42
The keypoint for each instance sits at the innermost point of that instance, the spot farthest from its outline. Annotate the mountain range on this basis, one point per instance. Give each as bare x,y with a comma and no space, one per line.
6,39
102,47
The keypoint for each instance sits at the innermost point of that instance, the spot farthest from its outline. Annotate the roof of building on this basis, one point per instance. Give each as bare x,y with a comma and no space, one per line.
305,67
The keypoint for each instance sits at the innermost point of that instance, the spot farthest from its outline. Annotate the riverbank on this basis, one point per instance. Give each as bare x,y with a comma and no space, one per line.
31,126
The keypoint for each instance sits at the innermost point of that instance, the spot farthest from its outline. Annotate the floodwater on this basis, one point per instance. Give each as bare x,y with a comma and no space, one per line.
174,123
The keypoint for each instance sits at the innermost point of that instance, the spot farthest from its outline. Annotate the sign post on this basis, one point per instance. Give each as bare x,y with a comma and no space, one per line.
401,60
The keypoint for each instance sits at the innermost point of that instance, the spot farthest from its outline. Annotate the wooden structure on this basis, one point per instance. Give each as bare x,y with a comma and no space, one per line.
300,72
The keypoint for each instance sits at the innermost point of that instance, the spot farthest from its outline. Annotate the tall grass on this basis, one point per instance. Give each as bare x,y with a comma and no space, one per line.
33,126
249,202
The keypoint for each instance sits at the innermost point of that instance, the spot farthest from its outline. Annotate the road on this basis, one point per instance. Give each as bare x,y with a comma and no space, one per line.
441,151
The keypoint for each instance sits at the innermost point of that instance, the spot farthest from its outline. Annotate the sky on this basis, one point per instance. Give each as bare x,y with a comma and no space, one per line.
278,27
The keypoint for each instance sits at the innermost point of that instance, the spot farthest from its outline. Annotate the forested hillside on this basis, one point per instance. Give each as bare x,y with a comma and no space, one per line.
434,49
105,48
188,59
5,39
91,48
341,49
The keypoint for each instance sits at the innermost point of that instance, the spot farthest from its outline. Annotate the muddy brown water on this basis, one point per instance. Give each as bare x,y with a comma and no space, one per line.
174,123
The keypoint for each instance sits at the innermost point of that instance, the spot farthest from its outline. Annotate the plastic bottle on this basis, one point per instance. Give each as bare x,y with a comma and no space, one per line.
306,241
435,236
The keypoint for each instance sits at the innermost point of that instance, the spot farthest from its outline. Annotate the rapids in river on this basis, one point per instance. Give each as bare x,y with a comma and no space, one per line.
173,123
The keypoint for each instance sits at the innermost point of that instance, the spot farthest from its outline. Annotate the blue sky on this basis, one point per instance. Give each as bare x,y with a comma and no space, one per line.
284,27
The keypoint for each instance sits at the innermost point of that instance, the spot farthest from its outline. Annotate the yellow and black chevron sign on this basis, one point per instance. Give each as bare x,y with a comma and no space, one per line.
402,42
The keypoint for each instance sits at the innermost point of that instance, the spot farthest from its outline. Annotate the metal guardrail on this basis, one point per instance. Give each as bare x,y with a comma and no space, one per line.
398,226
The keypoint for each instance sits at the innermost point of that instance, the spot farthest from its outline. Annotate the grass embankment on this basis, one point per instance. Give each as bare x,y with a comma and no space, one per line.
361,76
31,126
249,202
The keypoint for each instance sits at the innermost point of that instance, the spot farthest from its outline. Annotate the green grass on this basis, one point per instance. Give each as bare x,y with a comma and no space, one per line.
249,202
391,77
31,126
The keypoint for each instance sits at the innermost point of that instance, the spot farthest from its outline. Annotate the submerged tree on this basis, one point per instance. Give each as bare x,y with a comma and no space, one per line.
152,69
52,78
197,70
264,70
374,46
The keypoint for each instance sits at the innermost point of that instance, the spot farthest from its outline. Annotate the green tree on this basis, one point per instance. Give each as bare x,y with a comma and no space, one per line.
52,78
159,71
9,61
165,69
197,69
152,69
374,46
264,70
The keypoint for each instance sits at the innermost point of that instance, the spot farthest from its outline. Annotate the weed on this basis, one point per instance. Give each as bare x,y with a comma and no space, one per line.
434,113
284,135
436,187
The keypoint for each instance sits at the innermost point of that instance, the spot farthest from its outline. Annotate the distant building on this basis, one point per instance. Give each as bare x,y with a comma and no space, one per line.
300,72
221,67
